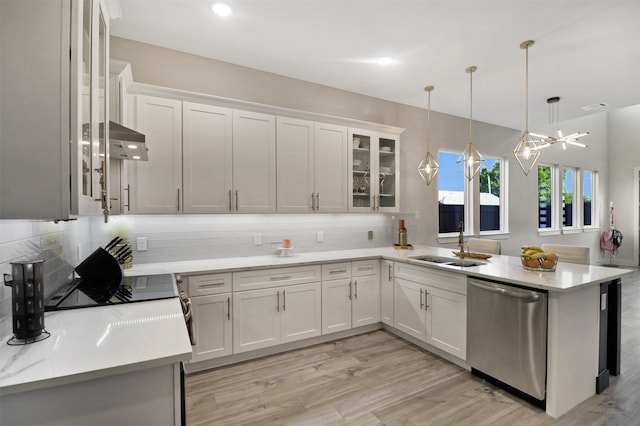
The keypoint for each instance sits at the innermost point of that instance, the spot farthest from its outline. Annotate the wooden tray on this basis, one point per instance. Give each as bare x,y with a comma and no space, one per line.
473,255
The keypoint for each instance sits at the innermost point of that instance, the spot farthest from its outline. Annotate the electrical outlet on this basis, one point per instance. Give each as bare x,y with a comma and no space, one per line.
319,236
79,252
141,244
257,239
370,235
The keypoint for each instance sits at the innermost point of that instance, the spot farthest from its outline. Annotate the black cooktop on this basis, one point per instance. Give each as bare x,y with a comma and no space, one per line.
80,293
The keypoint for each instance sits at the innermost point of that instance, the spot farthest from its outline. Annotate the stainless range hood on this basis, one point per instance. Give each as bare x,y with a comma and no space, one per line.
124,143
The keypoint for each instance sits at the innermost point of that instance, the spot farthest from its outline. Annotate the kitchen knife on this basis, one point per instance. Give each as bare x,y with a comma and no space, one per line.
120,251
112,243
123,256
126,258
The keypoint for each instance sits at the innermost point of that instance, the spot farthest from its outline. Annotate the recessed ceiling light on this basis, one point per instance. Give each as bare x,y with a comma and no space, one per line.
132,146
221,9
385,60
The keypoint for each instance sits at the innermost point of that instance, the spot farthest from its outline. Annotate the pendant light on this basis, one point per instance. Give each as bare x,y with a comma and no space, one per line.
471,160
428,168
526,151
554,128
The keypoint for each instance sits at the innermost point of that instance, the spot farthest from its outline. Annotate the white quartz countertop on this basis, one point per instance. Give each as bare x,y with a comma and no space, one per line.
95,342
508,269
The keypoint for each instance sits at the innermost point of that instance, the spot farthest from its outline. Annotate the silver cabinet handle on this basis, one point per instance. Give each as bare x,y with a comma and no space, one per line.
230,203
365,268
350,291
278,301
356,292
284,301
206,285
317,201
229,308
236,200
421,304
178,279
426,300
313,202
507,292
128,189
178,199
280,278
390,268
338,271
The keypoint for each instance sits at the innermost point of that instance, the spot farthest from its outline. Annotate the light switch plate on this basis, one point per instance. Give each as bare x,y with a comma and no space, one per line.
141,244
257,239
319,236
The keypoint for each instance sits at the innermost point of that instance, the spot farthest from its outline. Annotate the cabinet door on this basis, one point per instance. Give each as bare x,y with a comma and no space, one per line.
254,162
361,145
365,303
295,152
386,292
301,315
156,184
331,168
409,314
212,326
447,321
387,182
256,320
336,305
207,158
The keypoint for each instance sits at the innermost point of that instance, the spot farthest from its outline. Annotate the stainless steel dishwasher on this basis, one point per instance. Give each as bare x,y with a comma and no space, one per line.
507,337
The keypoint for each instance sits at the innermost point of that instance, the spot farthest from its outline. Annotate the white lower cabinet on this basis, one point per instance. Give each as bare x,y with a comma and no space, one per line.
353,301
210,296
386,292
268,317
431,305
212,326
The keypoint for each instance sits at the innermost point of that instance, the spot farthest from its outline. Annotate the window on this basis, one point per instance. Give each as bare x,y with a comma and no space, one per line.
545,197
568,206
559,192
451,193
490,200
479,203
588,201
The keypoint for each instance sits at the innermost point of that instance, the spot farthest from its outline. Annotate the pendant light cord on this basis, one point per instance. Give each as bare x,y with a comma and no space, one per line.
429,123
471,100
526,90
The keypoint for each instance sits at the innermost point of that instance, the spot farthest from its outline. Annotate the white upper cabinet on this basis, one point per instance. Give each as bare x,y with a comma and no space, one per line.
156,184
53,103
311,166
207,158
254,162
331,161
374,178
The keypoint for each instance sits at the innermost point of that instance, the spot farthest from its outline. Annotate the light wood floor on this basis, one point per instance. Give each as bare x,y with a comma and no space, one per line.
378,379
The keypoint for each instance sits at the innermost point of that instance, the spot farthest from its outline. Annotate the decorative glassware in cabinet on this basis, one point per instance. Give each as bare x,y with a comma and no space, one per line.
361,169
387,171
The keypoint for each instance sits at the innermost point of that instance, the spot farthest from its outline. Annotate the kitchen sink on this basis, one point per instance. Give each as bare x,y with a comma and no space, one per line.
448,261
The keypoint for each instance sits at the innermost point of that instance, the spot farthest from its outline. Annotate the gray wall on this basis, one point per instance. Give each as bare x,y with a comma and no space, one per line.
164,67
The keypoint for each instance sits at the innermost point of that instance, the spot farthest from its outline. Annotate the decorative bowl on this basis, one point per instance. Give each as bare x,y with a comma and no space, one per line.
542,264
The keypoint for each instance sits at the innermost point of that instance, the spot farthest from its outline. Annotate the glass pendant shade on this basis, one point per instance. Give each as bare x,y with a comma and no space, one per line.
470,161
428,167
527,152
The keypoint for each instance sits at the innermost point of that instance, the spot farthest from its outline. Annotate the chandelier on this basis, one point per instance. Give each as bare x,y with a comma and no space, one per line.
428,167
554,117
471,160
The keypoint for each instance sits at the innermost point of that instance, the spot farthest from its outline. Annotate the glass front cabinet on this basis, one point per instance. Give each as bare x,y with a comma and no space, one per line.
374,175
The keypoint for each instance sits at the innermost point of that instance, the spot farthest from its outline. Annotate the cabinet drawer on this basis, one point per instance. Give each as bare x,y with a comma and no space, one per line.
202,285
336,271
365,267
450,281
265,278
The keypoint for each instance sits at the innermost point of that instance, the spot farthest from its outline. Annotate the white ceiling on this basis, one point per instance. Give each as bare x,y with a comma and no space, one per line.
586,51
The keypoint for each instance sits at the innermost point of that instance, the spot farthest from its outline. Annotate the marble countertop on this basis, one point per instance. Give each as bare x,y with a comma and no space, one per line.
566,277
96,342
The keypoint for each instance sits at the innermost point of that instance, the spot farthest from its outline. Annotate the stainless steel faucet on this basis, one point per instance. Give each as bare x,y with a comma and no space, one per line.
461,238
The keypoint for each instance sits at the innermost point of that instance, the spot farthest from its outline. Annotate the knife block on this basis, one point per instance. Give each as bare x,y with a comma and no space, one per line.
100,266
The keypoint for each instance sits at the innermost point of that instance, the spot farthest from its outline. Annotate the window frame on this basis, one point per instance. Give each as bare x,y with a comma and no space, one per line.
471,200
595,217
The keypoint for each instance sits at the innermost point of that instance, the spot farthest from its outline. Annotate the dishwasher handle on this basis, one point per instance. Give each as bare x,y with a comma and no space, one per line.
506,292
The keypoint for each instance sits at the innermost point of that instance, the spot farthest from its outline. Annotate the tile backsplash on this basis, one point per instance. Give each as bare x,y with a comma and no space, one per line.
180,237
187,237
